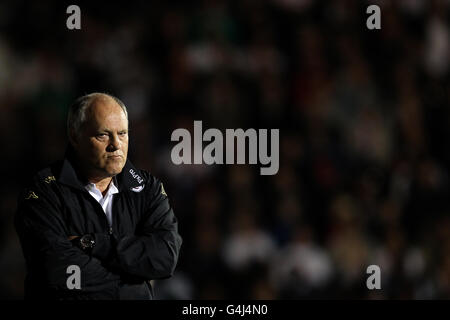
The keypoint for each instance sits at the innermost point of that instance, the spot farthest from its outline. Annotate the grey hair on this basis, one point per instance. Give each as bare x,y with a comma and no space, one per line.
77,111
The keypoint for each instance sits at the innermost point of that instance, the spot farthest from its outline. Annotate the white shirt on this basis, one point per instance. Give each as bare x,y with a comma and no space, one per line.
105,201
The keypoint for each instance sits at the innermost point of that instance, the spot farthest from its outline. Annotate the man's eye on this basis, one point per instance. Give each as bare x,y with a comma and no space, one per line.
101,135
122,133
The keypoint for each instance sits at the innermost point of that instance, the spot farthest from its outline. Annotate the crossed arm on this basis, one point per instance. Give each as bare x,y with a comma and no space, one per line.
151,254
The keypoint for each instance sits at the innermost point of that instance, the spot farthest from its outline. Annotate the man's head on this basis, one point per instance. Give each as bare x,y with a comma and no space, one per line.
97,127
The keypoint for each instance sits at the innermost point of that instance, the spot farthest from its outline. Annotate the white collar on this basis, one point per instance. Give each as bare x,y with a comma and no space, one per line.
112,189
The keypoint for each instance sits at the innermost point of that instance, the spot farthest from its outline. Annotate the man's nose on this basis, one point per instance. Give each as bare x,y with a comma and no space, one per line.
114,143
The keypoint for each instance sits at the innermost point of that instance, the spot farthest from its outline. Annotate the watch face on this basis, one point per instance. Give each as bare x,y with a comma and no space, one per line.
87,241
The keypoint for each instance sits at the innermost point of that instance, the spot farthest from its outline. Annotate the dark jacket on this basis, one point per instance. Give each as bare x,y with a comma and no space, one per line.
142,244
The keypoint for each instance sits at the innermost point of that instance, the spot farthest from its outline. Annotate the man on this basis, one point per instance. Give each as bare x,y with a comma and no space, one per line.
95,213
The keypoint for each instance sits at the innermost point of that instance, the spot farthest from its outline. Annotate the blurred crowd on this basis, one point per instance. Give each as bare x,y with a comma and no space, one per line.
364,135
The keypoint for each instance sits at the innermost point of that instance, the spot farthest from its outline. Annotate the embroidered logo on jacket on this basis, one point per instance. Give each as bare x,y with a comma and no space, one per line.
49,179
137,189
136,176
163,192
31,195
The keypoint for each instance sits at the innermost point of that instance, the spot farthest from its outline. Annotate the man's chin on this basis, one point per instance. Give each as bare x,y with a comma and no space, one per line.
113,171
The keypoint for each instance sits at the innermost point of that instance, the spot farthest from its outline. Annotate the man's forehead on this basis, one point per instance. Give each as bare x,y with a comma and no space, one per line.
104,104
105,113
103,107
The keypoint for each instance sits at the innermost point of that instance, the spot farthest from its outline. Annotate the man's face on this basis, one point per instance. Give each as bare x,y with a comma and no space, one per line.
102,144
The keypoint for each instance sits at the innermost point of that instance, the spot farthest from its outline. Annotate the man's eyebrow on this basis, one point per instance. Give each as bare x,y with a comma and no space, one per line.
109,130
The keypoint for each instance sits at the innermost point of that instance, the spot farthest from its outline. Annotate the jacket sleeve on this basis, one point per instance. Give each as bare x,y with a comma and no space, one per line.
151,253
43,234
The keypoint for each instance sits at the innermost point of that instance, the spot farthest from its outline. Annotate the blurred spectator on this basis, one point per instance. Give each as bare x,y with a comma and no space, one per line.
302,269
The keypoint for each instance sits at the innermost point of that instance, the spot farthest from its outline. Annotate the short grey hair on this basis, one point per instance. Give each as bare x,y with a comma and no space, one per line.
77,111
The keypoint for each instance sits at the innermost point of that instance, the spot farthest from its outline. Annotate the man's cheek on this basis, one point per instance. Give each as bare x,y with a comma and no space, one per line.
100,159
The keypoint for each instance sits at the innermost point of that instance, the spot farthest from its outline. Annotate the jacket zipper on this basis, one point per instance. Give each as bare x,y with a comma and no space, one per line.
110,231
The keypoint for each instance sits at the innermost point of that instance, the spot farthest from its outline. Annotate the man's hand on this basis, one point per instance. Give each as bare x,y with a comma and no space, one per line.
73,237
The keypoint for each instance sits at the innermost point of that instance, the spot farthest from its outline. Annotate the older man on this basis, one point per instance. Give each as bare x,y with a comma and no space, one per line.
94,216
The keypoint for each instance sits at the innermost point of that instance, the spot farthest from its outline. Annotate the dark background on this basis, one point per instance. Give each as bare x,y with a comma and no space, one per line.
363,118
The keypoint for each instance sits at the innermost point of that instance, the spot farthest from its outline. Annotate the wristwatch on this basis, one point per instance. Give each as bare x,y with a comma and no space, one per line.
86,242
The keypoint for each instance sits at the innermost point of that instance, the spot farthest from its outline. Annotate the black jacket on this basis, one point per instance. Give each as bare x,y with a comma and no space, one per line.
142,244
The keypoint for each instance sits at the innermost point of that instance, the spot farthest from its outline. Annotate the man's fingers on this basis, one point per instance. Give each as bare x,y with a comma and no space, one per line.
73,237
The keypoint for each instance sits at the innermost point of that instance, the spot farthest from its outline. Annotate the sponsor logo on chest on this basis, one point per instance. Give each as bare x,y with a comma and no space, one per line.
136,176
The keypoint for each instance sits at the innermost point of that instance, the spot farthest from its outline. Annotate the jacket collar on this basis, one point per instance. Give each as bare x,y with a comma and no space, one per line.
129,179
